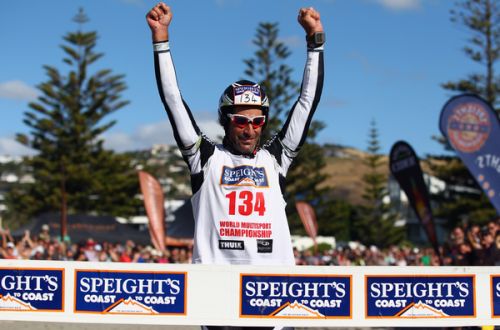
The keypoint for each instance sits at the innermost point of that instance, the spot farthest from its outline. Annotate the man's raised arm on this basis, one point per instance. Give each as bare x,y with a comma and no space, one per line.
186,132
294,131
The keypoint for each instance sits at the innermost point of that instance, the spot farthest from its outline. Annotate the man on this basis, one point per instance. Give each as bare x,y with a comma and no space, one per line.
238,203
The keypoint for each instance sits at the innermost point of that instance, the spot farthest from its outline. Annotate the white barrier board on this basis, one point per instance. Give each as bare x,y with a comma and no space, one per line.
301,296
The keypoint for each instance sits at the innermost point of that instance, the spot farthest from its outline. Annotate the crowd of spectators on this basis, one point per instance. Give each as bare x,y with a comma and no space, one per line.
466,246
45,246
359,255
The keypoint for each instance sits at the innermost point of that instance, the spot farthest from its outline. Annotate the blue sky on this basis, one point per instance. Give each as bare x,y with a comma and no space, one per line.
384,61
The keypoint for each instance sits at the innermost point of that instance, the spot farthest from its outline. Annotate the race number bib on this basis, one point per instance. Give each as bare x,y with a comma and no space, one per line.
247,95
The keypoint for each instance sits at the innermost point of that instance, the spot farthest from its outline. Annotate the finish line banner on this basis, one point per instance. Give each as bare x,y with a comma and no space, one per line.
299,296
472,128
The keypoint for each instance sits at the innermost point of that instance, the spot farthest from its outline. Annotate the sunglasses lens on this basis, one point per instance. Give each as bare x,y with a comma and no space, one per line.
258,121
240,121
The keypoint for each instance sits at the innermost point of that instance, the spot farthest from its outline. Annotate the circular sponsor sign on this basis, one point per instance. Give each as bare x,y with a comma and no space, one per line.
468,127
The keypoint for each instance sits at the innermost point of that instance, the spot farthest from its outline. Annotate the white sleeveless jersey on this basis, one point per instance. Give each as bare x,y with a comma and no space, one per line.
238,203
240,212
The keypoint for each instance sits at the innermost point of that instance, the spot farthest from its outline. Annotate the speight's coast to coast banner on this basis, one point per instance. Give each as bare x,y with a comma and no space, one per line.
472,128
417,296
294,296
246,295
405,167
28,289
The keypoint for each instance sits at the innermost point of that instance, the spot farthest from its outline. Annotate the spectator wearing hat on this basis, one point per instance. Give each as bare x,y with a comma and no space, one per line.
44,235
38,253
88,252
162,257
10,251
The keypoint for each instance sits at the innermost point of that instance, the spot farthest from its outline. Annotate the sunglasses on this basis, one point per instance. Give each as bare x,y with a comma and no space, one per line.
242,121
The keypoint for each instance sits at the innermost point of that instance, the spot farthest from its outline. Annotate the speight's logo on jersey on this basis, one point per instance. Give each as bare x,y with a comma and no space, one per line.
420,296
295,296
495,295
126,292
244,176
28,290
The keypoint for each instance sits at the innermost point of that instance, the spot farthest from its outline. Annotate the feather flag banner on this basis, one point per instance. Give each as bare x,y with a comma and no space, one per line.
405,167
154,204
308,218
472,128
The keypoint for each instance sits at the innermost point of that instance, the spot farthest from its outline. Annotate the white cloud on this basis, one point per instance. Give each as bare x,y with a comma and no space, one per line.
293,41
143,137
154,132
400,4
10,147
17,90
146,136
212,129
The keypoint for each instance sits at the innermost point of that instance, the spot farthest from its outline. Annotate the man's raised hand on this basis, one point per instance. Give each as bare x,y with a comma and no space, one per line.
310,20
159,18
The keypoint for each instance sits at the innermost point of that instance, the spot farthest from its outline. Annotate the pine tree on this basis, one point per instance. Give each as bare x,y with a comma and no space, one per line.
482,19
338,219
375,225
71,169
268,68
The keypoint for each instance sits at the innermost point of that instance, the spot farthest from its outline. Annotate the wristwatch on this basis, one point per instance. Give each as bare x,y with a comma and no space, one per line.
315,40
